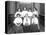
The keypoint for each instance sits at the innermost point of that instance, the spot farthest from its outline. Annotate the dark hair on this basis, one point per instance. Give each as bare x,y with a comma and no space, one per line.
35,8
30,8
18,14
17,9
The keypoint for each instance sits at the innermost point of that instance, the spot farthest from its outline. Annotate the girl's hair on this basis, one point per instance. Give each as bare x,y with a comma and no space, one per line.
18,14
30,9
17,9
35,8
35,15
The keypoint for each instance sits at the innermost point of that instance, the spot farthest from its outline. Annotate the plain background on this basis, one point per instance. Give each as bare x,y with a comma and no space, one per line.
2,17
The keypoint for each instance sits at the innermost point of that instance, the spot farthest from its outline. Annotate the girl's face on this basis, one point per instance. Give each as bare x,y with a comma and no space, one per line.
24,8
29,10
19,10
18,15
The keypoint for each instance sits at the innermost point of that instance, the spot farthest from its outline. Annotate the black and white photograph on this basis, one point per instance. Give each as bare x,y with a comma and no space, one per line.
23,17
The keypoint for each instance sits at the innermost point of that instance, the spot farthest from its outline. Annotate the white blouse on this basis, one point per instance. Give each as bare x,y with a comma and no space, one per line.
30,14
35,20
18,20
26,21
24,13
